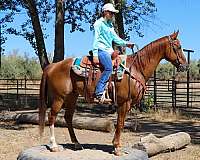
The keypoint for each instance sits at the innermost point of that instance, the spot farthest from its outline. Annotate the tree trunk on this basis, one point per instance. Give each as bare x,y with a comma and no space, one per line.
40,45
118,22
59,31
119,19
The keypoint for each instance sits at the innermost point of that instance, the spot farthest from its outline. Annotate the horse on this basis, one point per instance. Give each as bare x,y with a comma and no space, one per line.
64,86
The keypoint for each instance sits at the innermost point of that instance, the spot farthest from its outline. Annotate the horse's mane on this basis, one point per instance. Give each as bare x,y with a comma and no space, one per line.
144,55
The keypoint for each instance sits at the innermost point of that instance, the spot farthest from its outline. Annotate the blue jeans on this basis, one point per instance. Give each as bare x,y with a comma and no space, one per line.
105,60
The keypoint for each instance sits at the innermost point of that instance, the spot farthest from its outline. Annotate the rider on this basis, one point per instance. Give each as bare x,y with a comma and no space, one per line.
102,45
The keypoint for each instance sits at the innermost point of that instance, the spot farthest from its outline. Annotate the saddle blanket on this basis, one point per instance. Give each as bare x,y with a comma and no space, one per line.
83,70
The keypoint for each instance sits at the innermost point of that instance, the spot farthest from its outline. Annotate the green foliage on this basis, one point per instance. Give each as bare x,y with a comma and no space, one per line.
166,71
146,103
194,70
77,13
19,8
15,66
136,14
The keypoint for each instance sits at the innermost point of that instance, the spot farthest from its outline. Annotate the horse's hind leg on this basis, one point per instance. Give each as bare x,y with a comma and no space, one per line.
70,105
55,108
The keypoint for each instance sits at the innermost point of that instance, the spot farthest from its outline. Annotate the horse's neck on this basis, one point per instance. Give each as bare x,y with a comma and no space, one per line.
148,59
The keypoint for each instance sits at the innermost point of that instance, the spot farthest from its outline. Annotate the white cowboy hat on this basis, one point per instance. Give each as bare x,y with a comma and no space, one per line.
109,7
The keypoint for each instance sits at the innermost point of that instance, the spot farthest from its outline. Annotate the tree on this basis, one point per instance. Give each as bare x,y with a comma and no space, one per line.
133,14
59,31
74,13
31,28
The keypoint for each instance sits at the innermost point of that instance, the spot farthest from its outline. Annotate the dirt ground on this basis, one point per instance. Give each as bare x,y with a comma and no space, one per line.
15,138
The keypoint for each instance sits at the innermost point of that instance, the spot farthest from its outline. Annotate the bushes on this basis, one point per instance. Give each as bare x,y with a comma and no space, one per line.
166,70
15,66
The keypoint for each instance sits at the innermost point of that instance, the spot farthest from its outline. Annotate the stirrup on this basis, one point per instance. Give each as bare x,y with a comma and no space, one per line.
102,99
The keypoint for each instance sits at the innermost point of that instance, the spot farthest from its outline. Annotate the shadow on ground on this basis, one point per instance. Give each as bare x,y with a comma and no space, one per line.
161,129
101,147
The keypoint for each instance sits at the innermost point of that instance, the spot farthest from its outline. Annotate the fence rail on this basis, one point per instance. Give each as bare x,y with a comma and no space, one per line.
19,93
22,93
176,93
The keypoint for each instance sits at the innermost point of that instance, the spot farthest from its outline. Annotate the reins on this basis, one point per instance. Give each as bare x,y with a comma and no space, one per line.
134,77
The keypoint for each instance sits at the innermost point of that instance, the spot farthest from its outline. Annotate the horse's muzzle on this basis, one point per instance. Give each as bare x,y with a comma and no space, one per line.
182,67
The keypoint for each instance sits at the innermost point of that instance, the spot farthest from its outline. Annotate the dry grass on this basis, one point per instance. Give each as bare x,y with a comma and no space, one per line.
15,138
170,116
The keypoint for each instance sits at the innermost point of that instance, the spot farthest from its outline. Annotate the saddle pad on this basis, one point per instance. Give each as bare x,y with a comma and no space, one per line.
82,71
76,67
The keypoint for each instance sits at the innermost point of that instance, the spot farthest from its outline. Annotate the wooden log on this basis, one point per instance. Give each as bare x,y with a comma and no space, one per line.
153,145
96,124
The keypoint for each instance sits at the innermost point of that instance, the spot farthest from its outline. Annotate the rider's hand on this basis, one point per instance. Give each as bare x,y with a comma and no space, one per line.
130,45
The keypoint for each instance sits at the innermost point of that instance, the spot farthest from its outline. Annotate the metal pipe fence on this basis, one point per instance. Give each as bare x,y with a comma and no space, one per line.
24,93
19,93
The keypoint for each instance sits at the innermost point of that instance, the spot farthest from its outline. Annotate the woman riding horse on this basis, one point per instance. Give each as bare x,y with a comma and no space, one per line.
62,86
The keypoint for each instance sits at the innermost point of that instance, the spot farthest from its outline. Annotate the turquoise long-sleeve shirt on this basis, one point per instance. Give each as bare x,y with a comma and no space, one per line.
104,36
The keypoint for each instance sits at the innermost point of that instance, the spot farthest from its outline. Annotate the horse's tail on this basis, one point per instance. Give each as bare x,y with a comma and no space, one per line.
43,105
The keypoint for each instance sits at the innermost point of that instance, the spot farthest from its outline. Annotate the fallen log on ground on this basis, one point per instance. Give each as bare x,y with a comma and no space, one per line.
153,145
79,122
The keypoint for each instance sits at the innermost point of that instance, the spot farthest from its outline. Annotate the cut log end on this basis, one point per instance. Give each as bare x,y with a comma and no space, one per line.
153,145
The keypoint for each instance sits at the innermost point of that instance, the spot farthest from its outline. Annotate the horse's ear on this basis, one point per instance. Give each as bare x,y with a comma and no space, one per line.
177,32
174,35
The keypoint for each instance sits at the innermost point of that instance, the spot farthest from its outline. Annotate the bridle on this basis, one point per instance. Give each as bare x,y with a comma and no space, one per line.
175,48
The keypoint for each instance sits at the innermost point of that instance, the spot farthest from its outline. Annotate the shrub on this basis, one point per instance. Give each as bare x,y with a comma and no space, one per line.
15,66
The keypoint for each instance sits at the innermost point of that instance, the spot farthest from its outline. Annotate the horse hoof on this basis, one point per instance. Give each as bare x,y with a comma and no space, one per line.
78,146
54,149
117,152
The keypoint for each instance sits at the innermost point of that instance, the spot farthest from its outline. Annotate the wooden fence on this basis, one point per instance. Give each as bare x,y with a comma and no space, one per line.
24,93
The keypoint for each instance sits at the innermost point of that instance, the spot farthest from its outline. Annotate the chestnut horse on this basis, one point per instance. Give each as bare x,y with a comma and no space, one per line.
64,86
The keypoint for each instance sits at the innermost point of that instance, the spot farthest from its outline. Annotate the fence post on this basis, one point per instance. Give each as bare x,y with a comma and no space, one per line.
175,86
0,46
155,90
188,75
17,89
25,91
174,95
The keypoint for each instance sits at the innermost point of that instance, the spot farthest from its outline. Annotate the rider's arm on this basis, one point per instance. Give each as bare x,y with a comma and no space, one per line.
117,39
96,37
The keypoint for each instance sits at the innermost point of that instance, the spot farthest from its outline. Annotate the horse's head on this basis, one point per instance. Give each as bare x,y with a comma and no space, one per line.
175,53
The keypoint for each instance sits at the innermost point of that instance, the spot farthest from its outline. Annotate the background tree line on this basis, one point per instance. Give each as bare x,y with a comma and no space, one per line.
37,13
16,66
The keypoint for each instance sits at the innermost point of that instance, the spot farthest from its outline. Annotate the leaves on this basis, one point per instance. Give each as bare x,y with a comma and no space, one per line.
17,66
77,13
136,14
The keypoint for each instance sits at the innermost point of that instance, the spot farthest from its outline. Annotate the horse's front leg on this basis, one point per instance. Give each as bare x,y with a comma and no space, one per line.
122,110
